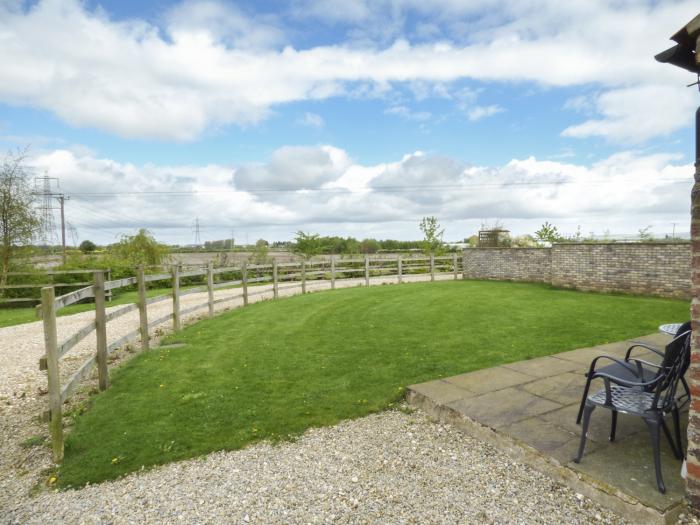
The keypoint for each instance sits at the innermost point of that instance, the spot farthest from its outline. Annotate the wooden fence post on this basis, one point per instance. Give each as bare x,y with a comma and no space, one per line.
275,284
48,310
399,270
109,294
332,273
244,282
101,331
366,270
464,266
303,276
143,309
176,297
432,267
454,265
210,288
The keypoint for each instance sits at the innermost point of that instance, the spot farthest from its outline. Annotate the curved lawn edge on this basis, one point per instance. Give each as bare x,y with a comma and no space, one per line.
274,369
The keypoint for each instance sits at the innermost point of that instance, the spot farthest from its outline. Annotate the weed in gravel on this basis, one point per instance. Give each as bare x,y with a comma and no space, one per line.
33,441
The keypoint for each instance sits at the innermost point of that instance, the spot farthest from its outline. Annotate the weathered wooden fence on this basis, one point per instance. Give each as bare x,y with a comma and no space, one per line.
253,280
25,283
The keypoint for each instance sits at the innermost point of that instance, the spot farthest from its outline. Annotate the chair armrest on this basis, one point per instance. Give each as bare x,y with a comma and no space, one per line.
638,344
642,361
623,382
624,364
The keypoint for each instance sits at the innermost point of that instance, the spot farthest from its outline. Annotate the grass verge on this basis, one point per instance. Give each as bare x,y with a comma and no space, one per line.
274,369
14,316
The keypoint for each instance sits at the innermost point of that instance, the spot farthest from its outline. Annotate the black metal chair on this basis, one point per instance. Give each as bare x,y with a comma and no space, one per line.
641,371
653,399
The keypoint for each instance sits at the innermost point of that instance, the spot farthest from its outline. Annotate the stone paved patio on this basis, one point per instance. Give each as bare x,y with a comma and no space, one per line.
529,409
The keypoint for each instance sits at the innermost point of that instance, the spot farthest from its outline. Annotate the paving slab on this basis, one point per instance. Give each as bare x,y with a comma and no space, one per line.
489,379
562,388
441,392
529,409
599,427
543,366
584,356
555,442
503,407
627,465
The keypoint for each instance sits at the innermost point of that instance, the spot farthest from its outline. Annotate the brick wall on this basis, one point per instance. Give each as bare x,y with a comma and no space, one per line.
508,264
661,269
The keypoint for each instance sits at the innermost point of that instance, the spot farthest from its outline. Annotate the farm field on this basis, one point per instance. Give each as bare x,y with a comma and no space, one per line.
274,369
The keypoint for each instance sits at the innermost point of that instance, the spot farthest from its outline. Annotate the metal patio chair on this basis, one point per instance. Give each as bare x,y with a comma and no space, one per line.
653,399
645,373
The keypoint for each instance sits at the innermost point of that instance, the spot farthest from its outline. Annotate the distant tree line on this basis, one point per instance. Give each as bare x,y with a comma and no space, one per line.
313,244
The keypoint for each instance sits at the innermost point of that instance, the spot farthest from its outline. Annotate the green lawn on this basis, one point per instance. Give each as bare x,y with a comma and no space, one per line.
13,316
274,369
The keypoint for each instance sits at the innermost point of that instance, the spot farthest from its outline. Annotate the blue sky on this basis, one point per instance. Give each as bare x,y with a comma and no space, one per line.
270,117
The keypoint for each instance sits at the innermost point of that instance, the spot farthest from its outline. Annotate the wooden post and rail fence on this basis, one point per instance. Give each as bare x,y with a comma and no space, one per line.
61,279
281,276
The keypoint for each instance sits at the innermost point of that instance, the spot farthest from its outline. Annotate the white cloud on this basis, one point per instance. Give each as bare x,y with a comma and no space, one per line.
638,113
312,120
300,167
322,189
223,23
406,113
211,64
479,112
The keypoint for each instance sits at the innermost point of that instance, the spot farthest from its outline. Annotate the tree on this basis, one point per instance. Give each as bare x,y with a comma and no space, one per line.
307,244
432,235
548,233
260,253
87,246
645,234
369,246
19,220
140,249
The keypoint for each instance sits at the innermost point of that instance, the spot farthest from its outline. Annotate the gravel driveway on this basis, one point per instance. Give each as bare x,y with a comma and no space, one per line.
392,467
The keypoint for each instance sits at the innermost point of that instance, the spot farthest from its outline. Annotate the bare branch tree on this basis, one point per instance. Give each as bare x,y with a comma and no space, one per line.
19,220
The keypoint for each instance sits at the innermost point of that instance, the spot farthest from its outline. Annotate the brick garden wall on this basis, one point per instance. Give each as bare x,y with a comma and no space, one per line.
661,269
508,264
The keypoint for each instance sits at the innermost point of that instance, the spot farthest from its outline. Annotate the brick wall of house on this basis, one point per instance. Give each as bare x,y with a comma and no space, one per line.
661,269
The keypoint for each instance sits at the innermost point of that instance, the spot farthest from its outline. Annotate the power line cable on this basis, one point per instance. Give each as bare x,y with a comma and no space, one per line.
383,189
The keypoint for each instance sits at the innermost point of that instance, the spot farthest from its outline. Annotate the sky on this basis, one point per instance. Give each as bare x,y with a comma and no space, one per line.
258,119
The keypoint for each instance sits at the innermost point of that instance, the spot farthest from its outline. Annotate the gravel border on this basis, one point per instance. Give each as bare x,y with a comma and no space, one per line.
392,467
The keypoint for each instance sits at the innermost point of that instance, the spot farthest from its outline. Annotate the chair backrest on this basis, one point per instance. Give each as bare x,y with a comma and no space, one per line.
683,328
675,363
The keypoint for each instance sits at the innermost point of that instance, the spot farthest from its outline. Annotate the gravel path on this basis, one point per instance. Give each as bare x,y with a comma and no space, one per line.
387,468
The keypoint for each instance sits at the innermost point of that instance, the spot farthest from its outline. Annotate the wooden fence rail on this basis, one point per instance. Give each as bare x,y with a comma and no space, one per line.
277,276
49,279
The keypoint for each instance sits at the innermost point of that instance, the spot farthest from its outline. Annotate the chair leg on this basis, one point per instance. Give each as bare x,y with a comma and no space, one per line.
677,428
655,433
613,425
587,410
583,400
670,439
